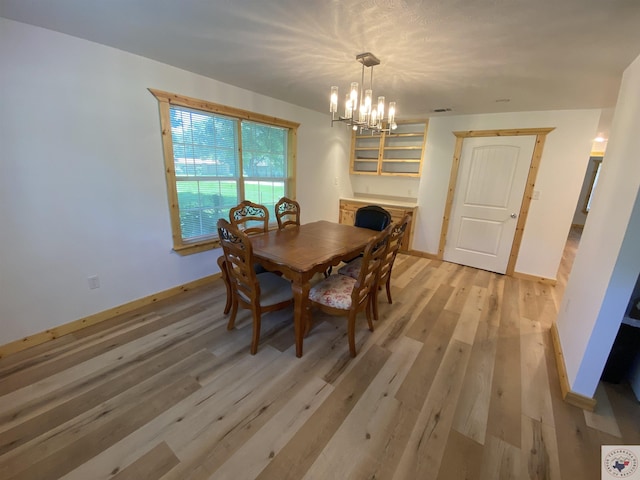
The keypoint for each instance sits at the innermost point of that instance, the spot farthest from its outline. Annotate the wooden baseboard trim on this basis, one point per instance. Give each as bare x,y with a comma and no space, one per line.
572,398
580,401
56,332
418,253
525,276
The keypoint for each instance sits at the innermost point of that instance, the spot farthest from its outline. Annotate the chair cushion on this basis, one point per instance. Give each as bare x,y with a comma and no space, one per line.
273,289
334,291
351,269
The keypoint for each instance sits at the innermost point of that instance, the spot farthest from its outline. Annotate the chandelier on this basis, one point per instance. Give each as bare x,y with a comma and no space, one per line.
359,103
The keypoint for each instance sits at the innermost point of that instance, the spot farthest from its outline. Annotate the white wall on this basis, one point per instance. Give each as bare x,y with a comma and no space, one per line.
559,180
399,187
82,189
607,263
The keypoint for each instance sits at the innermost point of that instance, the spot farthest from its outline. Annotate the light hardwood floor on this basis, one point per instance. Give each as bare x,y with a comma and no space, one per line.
458,381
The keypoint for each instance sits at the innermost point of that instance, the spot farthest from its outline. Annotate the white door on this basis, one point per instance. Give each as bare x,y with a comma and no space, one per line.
492,177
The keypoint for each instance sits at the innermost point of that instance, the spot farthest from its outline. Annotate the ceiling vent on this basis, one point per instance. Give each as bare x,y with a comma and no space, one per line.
441,110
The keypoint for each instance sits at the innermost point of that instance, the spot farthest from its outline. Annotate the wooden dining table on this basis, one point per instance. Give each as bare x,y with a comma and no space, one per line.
299,252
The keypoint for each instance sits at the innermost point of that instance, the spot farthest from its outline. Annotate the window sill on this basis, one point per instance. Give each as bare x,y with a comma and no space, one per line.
196,247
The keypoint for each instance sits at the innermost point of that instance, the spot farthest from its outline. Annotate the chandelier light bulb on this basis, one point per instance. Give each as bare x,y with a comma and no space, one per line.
364,115
373,120
392,112
348,107
353,95
381,107
333,104
367,100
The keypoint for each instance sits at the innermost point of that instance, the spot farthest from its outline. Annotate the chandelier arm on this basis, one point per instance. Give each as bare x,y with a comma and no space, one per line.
371,80
361,91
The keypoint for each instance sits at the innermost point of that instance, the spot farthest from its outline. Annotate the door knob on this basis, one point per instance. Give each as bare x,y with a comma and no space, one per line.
514,215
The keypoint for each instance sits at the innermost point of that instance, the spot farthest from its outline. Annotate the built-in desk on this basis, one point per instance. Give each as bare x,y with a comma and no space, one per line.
397,209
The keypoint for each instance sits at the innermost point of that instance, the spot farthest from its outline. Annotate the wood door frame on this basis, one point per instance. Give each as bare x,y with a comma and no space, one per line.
541,136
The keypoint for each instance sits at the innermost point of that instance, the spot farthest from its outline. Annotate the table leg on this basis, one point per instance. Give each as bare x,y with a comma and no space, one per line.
300,301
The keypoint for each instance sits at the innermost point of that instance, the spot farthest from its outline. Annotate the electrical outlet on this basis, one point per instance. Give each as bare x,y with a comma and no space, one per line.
335,181
94,282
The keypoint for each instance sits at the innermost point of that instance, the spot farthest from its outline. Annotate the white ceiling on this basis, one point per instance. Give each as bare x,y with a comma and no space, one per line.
467,55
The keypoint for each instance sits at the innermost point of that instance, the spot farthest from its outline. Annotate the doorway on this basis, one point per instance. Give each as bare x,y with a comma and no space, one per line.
489,191
479,240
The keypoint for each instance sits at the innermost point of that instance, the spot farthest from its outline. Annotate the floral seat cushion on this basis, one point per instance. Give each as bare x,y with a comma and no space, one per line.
351,269
334,291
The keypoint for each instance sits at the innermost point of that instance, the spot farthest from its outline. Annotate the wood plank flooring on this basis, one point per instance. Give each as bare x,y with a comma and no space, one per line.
457,381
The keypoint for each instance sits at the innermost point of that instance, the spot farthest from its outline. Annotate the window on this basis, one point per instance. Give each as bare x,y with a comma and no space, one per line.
597,164
215,157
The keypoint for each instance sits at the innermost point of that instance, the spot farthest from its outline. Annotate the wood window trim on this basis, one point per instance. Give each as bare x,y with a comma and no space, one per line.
165,100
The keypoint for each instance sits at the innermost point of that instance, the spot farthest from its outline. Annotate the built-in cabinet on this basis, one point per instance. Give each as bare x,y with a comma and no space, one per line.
397,210
632,318
396,153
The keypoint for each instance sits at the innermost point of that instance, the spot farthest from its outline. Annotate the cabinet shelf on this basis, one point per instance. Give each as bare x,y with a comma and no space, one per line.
393,135
399,160
404,148
398,153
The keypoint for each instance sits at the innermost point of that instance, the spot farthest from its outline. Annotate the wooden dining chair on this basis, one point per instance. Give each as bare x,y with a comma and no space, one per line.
287,212
347,296
222,265
396,235
260,293
249,217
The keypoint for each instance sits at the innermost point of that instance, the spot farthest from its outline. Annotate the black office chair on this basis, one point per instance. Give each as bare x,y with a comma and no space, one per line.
373,217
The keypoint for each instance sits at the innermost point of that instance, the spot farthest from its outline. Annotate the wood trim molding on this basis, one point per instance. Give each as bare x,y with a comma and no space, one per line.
453,178
534,278
503,133
418,253
190,102
536,157
65,329
572,398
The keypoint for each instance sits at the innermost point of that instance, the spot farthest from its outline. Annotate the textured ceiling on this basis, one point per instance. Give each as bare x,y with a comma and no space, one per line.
467,55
